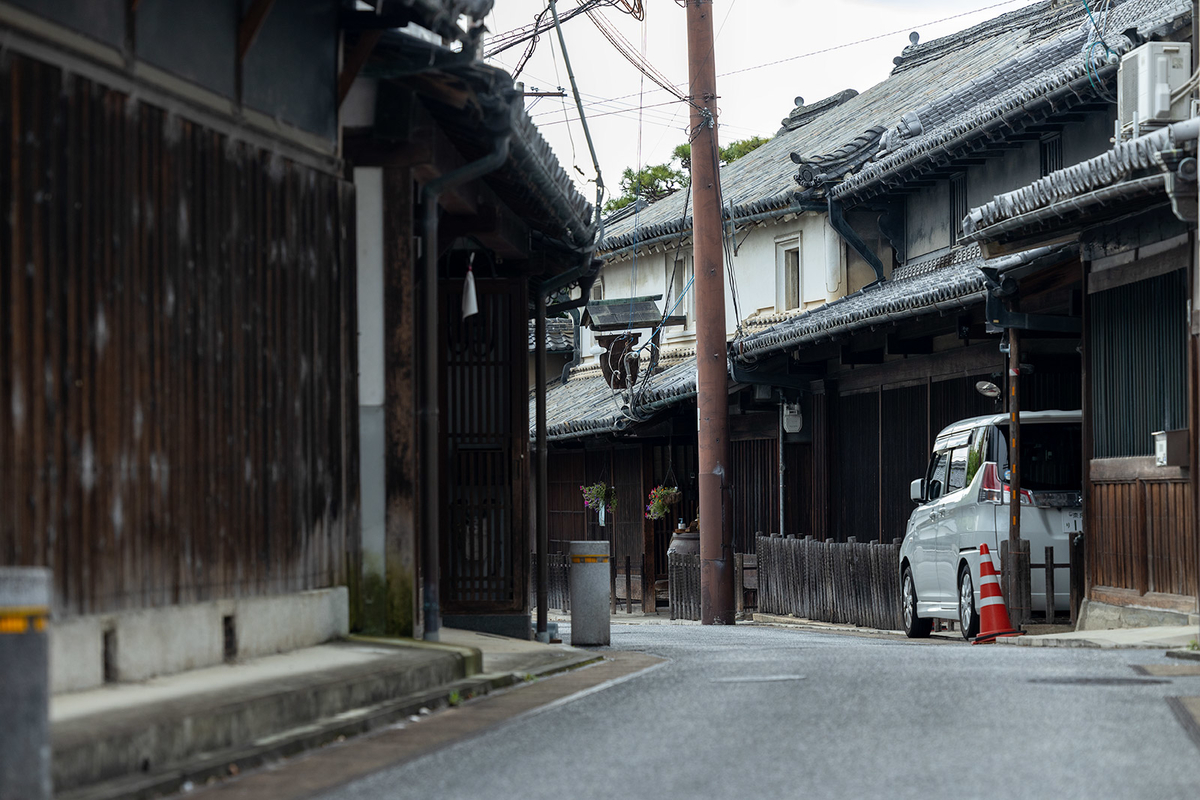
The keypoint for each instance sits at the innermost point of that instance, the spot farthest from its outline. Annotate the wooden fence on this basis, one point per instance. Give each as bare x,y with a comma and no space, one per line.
684,576
845,582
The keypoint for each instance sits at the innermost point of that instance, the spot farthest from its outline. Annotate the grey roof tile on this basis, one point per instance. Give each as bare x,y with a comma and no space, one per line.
1119,172
763,180
560,335
586,406
953,281
1011,84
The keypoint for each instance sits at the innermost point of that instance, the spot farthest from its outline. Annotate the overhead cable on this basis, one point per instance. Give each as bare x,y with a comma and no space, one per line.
562,43
626,49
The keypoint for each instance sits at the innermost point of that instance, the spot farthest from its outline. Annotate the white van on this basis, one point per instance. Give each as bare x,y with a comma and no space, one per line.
963,501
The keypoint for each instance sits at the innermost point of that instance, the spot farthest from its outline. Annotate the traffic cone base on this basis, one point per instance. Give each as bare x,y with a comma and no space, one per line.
993,615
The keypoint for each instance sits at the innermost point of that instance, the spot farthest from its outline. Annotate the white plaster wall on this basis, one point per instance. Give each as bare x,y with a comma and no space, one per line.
759,264
757,269
368,192
368,187
172,639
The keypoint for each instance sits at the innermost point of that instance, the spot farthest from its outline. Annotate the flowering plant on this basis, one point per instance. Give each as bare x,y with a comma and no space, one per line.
599,494
661,500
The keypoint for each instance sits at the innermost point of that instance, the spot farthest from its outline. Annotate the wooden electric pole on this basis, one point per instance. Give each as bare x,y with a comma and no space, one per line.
712,397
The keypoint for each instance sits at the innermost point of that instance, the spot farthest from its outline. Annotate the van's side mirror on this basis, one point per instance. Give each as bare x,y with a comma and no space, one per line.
916,490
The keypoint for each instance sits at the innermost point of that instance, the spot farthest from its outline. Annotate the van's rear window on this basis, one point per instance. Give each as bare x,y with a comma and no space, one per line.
1051,455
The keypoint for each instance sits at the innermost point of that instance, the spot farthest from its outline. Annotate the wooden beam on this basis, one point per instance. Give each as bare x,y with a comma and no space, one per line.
496,227
356,59
909,347
251,24
874,356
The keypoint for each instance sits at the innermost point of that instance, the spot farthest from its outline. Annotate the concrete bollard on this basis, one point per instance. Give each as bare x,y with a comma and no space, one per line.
589,593
25,682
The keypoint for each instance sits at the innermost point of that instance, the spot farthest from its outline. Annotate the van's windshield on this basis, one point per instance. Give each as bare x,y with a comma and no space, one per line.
1051,455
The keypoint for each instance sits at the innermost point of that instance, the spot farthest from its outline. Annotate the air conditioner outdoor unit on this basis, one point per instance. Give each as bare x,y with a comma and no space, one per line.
1146,80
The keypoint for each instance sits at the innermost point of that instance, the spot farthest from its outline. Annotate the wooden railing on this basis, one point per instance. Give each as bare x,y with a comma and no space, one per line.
855,583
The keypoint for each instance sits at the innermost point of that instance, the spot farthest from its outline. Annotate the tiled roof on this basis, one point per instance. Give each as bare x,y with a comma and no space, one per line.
586,406
956,283
560,335
532,182
1122,171
943,94
991,90
763,180
803,113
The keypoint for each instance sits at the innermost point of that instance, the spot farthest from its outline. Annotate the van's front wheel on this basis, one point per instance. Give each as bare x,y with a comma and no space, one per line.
968,619
914,626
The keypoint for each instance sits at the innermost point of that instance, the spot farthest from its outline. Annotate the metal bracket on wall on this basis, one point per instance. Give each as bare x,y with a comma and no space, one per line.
837,219
1000,319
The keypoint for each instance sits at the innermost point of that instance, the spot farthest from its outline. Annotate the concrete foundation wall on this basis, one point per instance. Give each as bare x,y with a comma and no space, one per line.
162,641
1097,616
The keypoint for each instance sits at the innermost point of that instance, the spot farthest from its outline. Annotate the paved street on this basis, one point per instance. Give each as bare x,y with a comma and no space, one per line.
764,712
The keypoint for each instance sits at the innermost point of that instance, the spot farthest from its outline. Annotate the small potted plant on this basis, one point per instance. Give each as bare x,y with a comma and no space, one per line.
599,496
661,499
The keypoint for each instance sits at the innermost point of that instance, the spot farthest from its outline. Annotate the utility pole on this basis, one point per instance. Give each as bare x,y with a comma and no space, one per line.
1016,568
712,397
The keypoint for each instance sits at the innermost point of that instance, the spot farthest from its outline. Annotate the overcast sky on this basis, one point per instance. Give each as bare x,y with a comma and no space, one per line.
750,34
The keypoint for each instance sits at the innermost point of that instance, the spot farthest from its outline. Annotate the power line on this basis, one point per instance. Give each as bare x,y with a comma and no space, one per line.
638,60
839,46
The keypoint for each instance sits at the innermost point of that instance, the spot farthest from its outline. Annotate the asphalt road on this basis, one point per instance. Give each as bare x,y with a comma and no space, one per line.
759,712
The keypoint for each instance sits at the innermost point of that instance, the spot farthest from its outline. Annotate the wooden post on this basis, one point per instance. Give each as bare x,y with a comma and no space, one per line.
1014,433
1049,585
1077,575
612,589
1014,569
739,583
628,584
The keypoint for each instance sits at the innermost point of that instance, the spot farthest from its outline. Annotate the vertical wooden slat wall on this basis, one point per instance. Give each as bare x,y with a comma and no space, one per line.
567,516
176,362
755,475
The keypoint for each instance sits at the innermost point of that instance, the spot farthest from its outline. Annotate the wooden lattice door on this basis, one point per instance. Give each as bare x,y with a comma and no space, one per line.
485,439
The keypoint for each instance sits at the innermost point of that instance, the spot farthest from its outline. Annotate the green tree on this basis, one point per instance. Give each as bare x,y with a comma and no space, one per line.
662,180
652,183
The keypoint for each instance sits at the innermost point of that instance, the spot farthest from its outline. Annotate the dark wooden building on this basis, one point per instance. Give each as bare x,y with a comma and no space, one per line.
1134,217
452,176
177,352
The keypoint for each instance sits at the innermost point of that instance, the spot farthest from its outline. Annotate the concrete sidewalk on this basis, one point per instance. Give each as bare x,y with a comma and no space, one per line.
1163,637
1176,639
153,737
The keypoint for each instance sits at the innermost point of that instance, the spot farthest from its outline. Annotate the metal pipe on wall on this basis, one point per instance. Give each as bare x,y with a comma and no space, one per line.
542,465
428,413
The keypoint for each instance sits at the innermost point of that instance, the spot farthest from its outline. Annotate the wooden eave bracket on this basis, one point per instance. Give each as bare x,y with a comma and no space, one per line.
355,60
250,25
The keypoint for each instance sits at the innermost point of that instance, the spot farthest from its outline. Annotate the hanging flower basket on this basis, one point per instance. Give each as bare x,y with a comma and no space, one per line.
599,495
661,499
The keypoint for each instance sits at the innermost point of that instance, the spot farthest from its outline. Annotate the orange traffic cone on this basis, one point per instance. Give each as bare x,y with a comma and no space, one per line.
993,615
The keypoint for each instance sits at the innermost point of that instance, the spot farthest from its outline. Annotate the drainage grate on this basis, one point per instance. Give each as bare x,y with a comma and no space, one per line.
1098,681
